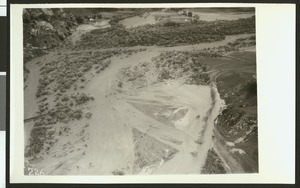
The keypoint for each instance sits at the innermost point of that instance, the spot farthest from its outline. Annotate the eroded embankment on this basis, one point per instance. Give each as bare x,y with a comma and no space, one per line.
235,148
136,124
140,111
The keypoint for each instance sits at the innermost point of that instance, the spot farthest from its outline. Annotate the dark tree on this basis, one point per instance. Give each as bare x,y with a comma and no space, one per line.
196,16
79,20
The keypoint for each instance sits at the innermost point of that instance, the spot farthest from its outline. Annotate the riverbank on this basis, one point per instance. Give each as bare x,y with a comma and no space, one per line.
235,136
132,110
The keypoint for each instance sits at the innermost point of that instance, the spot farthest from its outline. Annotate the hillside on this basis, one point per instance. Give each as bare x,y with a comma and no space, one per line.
45,29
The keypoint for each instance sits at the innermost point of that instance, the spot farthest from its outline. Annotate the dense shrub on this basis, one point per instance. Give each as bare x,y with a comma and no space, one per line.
79,19
65,98
38,40
164,34
171,24
82,98
59,76
172,65
118,172
37,140
196,16
165,74
88,115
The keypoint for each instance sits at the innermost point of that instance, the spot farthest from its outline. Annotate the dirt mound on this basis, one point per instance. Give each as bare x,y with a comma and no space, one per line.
178,114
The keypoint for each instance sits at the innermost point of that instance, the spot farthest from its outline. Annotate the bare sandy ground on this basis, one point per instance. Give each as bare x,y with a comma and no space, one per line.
183,47
149,18
30,101
138,21
212,16
85,28
162,128
110,143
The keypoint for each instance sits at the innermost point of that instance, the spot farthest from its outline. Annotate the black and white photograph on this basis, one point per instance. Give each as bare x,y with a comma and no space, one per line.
140,91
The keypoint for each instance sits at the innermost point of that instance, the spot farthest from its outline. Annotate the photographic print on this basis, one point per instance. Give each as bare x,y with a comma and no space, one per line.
140,91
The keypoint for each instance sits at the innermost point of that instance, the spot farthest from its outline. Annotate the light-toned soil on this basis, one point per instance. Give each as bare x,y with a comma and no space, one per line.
156,17
150,128
212,16
85,28
30,88
138,21
148,18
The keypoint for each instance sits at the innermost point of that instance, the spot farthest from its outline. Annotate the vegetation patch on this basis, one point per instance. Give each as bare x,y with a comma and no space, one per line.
45,29
213,164
238,122
40,139
161,35
174,65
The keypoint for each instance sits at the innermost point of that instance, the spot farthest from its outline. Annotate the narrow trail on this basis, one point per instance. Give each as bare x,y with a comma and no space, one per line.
231,165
